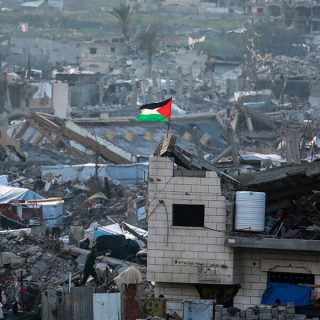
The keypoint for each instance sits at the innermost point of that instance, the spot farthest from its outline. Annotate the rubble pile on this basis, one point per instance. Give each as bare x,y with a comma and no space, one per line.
112,201
33,258
287,66
259,313
300,220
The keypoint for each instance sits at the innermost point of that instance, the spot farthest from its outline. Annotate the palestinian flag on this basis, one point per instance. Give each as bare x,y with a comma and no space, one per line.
156,112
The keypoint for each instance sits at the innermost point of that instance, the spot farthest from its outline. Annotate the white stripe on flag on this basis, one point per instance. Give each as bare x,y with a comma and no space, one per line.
149,111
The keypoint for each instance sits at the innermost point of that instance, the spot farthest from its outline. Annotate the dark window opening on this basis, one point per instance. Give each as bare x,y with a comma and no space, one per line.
188,215
292,278
260,10
113,49
93,50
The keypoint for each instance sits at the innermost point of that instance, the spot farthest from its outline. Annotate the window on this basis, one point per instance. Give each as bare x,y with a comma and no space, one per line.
260,10
188,215
113,49
93,50
293,278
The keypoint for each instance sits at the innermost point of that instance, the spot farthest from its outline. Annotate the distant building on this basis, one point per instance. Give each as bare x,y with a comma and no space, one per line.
98,56
35,6
191,6
24,96
42,5
262,9
57,4
304,14
83,86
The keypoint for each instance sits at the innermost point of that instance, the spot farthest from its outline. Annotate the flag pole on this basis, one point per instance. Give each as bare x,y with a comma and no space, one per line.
168,128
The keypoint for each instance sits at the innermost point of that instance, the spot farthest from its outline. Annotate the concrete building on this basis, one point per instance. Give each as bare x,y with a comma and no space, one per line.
98,56
303,14
44,54
262,9
83,86
25,96
192,250
187,6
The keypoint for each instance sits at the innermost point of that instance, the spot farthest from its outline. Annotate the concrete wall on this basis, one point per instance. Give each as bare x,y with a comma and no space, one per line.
175,293
103,59
178,257
181,5
186,254
254,265
206,7
60,99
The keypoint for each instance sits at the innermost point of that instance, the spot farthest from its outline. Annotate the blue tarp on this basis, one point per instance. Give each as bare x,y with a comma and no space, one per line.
300,295
10,194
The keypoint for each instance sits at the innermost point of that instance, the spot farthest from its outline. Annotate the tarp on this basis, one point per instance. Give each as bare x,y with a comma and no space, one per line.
52,213
11,194
114,229
129,276
98,195
118,246
260,157
4,180
300,295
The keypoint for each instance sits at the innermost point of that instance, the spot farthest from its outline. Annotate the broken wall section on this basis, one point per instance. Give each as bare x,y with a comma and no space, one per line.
257,264
186,250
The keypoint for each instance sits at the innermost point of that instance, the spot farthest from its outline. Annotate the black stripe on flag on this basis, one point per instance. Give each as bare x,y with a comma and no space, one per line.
155,105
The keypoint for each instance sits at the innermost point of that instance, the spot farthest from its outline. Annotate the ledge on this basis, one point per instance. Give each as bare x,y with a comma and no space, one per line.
272,243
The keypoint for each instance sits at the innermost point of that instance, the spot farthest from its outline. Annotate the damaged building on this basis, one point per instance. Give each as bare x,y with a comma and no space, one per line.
304,14
233,240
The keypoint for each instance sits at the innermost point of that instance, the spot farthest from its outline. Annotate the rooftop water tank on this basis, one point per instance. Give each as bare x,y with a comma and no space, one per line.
250,211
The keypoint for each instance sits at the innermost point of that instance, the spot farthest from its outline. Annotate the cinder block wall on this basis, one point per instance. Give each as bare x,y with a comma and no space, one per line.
186,254
254,265
175,293
180,256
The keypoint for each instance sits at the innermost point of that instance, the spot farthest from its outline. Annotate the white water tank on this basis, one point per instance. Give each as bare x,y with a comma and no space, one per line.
250,211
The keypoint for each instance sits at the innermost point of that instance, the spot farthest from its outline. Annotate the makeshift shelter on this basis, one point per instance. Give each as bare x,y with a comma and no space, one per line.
12,194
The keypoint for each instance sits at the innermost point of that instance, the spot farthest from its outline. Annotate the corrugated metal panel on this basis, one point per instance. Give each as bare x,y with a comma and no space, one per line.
82,303
126,174
56,305
130,302
198,310
107,306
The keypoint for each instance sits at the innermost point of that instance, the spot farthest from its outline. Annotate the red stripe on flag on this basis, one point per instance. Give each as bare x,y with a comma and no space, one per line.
166,109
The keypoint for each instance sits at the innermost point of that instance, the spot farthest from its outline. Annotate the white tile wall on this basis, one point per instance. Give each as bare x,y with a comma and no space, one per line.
180,248
175,253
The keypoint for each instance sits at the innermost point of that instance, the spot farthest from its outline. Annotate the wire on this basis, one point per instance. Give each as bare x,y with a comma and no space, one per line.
214,229
155,195
165,208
